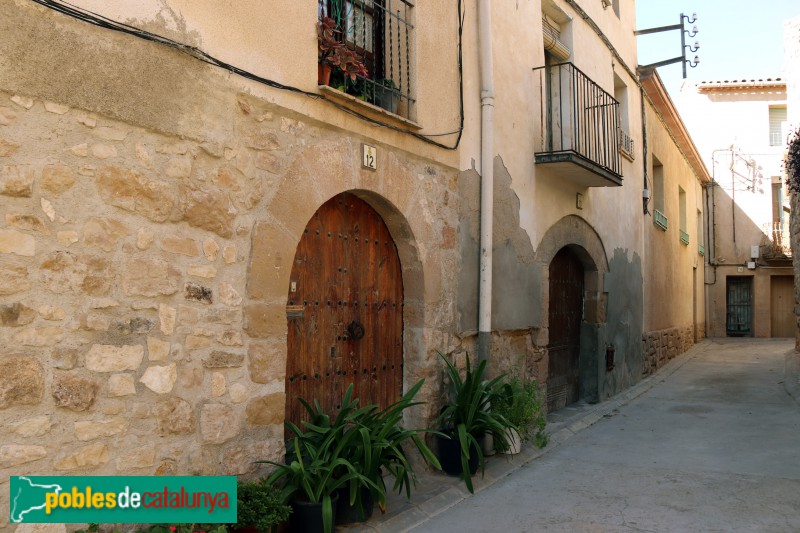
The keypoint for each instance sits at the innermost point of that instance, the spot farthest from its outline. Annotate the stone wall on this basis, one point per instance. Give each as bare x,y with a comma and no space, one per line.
143,282
660,347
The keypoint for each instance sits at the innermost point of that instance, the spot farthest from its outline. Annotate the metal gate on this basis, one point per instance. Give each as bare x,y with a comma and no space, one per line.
345,310
739,306
565,317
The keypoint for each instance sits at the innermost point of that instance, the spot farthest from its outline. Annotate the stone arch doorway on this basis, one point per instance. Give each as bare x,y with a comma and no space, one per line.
565,314
573,236
344,310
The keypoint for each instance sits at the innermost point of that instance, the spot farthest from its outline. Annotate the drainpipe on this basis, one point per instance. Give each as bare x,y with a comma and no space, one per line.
487,178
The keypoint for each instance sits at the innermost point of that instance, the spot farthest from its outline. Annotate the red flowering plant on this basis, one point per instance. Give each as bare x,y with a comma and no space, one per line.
332,49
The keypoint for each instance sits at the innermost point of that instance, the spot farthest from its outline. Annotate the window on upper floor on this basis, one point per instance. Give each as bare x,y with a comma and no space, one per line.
778,125
625,139
379,35
701,249
659,218
684,230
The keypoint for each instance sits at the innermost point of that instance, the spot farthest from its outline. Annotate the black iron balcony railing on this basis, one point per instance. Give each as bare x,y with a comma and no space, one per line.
380,32
581,125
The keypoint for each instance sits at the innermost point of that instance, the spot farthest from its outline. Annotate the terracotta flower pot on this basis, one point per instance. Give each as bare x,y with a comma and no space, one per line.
324,70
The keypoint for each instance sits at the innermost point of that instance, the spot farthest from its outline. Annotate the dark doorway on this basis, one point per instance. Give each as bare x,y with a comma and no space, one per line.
565,317
739,314
345,310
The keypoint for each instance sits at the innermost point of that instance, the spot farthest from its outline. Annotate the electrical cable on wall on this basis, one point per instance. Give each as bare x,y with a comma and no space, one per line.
104,22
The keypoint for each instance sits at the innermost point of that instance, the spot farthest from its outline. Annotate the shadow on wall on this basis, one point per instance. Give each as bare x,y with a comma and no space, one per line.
624,324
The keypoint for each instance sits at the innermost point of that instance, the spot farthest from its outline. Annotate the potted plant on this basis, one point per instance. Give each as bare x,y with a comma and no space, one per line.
259,507
467,417
523,410
317,465
332,51
382,447
387,95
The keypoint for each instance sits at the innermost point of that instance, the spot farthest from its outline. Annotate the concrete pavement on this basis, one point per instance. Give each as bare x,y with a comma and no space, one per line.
710,443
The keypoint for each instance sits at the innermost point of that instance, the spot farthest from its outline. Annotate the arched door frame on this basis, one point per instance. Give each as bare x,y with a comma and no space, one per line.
575,233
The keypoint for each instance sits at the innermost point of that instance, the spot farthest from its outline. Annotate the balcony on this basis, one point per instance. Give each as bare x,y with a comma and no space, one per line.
776,243
581,127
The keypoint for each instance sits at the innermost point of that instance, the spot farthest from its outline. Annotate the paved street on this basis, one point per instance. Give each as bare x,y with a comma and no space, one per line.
713,445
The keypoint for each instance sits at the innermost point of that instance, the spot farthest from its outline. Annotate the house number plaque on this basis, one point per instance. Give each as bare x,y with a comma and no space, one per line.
370,157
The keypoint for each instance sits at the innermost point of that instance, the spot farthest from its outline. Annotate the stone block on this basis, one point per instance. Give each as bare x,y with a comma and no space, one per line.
21,381
166,317
180,245
175,416
266,410
33,427
157,349
271,262
228,295
202,271
13,279
15,181
218,423
198,293
104,233
94,429
266,361
218,359
160,379
211,211
52,313
210,249
27,222
149,277
74,392
64,357
218,385
229,254
230,338
133,326
86,457
16,314
121,385
238,393
18,454
110,358
141,457
265,320
15,242
57,179
132,191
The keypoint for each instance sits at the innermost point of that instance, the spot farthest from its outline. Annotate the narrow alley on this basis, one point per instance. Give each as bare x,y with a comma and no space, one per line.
714,445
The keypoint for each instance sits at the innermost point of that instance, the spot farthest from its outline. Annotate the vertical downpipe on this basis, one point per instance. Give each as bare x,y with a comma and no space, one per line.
487,179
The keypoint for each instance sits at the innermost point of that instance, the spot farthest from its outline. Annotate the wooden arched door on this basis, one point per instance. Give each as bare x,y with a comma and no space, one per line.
345,310
565,316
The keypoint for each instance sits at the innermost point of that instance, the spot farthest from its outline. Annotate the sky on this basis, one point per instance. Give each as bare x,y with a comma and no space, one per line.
739,39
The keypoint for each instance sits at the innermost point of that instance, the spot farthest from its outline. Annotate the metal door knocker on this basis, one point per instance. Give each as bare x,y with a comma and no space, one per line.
355,330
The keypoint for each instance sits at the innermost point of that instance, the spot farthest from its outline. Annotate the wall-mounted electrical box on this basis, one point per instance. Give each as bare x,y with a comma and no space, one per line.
751,265
754,252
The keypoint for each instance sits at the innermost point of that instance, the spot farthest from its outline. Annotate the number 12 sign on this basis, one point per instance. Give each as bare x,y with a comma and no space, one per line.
370,157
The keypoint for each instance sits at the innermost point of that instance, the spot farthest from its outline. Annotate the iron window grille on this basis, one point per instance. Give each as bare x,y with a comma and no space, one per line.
381,33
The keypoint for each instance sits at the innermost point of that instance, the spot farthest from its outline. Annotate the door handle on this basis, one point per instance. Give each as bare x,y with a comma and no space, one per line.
355,330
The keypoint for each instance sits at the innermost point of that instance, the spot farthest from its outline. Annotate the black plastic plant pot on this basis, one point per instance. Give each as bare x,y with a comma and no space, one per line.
306,517
450,456
348,514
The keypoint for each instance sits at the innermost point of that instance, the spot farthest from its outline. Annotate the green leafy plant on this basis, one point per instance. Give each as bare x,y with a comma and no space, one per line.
382,446
792,163
523,409
166,528
260,505
319,465
468,416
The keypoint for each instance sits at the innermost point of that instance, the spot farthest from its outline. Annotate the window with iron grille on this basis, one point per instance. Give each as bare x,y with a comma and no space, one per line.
380,33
